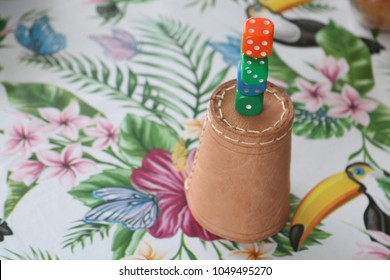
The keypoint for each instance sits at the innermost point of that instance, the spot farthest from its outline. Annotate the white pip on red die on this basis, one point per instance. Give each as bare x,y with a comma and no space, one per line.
258,37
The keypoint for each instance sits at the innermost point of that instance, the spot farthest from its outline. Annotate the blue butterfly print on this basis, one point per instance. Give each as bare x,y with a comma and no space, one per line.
40,38
230,51
133,209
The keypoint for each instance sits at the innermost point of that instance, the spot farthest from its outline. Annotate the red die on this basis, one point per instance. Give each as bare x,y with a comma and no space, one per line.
258,37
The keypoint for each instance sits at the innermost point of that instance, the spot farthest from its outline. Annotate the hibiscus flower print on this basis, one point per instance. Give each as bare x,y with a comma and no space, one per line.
163,174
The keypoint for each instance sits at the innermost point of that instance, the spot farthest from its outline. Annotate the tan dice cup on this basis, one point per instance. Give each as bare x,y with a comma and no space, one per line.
239,185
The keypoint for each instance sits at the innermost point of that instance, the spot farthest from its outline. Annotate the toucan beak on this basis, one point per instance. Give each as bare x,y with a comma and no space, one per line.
321,201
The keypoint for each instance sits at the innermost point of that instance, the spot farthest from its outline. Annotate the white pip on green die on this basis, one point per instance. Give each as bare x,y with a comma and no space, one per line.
254,71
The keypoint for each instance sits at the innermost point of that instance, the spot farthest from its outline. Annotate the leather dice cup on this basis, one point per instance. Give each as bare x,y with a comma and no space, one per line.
239,185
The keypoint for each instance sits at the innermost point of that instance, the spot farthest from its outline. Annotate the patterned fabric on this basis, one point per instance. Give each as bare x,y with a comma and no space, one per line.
102,103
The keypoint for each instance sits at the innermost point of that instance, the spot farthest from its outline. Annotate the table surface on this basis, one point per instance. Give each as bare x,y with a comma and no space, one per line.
102,104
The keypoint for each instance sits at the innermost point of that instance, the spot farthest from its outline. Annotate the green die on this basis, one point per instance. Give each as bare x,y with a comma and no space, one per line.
254,71
249,105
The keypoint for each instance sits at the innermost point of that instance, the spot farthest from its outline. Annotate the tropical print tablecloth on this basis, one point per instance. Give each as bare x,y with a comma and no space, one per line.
102,103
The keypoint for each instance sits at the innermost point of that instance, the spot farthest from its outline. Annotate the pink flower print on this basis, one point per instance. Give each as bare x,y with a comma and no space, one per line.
23,138
349,104
372,252
66,166
146,252
253,251
314,96
159,176
68,121
375,251
105,132
27,172
380,236
333,69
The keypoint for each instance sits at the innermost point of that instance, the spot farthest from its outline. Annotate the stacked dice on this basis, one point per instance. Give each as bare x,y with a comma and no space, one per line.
253,68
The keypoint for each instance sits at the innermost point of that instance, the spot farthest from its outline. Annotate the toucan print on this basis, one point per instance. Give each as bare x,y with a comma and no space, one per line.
295,32
4,230
335,191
